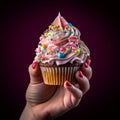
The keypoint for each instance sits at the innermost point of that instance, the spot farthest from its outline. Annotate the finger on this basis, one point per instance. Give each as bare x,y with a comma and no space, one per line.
83,81
35,73
77,93
88,60
87,70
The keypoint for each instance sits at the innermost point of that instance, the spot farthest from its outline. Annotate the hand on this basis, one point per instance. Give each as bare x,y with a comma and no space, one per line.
47,101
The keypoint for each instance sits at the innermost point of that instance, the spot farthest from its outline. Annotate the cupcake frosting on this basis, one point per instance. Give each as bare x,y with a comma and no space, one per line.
61,44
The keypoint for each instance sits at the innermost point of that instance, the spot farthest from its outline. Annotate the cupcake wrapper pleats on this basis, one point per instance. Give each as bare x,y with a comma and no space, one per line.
58,75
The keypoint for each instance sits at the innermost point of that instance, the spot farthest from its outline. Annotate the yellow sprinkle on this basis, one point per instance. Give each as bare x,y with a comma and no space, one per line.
48,50
58,28
77,51
43,45
52,26
46,33
66,27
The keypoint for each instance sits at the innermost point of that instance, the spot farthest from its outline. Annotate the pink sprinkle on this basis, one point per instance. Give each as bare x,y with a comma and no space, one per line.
73,37
66,24
73,45
62,49
39,51
50,47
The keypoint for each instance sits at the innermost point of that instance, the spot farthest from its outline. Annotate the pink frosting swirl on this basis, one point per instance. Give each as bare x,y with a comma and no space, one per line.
61,44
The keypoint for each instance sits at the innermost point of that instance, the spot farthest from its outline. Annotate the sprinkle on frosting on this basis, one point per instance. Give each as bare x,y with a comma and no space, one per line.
61,44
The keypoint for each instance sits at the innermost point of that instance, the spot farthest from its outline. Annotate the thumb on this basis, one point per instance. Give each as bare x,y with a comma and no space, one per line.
35,73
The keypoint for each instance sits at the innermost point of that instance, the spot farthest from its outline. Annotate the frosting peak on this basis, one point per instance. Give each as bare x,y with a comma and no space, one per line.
60,21
61,44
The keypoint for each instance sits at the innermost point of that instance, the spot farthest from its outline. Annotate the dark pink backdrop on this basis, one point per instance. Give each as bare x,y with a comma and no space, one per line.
21,25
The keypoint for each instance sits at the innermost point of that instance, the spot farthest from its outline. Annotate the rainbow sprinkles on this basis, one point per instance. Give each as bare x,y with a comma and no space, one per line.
61,44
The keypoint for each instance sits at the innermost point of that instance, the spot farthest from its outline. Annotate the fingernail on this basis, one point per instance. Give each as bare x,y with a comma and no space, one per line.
86,64
68,83
80,74
88,57
34,64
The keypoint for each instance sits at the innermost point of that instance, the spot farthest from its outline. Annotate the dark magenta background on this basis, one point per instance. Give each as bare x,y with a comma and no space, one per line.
23,22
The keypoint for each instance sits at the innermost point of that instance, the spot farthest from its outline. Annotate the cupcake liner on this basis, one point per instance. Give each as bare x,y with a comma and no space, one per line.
58,75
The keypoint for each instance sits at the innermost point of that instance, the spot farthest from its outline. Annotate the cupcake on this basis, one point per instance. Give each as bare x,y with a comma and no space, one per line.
60,52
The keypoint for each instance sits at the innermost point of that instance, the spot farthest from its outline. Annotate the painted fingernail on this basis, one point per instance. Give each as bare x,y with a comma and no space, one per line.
68,83
88,57
80,74
86,65
34,64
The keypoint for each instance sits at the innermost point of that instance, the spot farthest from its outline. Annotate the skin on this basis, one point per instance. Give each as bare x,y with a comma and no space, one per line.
46,102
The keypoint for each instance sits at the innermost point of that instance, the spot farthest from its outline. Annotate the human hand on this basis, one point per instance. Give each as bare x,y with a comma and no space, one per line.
49,101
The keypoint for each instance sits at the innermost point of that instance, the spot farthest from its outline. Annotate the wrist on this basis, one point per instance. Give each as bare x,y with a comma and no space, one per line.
27,114
31,113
